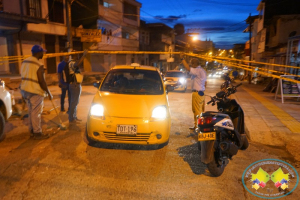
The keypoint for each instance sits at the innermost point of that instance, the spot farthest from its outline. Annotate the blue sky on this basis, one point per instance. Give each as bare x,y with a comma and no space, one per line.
221,21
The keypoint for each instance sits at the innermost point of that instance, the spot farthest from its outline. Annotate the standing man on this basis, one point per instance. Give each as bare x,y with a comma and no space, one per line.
34,89
198,75
74,85
62,82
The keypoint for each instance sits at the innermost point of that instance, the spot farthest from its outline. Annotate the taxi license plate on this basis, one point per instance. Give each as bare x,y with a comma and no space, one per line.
207,136
126,129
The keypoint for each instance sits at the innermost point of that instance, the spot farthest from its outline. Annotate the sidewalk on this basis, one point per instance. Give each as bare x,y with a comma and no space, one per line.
269,121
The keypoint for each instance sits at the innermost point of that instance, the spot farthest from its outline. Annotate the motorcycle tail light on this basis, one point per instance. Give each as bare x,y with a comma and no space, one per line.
208,120
200,120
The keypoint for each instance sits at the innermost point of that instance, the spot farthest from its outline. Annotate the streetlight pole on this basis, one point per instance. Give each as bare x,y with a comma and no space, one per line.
69,25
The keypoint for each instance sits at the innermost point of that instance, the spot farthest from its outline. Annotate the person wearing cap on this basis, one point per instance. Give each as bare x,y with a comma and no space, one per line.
34,89
74,85
198,76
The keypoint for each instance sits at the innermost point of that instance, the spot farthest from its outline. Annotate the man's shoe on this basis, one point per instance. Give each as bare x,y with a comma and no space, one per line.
62,110
192,128
79,120
40,136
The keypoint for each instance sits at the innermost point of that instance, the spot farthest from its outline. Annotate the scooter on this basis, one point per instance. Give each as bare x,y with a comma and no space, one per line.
221,134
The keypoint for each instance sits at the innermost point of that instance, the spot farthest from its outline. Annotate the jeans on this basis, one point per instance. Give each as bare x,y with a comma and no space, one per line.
35,105
75,91
62,98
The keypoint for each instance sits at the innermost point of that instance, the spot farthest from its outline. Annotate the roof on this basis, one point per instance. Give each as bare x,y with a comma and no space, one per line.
142,67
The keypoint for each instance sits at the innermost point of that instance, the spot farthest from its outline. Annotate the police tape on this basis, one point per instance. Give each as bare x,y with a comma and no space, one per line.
232,62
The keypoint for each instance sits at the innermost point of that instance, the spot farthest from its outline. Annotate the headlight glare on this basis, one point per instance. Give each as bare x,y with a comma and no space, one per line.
160,112
182,80
97,110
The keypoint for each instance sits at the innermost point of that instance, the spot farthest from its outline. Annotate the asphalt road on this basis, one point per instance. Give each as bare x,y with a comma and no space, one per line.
65,167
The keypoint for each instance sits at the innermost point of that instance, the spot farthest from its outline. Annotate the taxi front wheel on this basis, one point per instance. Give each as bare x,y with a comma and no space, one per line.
2,123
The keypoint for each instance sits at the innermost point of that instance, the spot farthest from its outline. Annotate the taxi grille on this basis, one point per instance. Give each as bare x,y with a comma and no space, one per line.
142,137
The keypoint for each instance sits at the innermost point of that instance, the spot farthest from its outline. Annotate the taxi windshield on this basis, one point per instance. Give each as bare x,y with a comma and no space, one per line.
133,81
174,74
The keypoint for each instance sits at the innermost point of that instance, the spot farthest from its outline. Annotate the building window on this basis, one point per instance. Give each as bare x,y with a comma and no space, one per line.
125,35
104,3
130,11
1,5
56,11
34,8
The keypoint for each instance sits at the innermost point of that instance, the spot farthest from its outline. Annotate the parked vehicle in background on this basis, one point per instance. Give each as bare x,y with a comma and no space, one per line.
5,107
130,107
176,79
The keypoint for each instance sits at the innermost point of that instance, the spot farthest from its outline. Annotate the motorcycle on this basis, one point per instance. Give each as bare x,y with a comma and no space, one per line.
221,134
227,82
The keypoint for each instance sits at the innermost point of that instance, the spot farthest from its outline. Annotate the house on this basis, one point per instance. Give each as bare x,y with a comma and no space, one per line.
119,22
158,37
277,21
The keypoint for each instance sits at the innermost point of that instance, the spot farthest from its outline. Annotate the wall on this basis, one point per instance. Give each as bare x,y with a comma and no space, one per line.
4,67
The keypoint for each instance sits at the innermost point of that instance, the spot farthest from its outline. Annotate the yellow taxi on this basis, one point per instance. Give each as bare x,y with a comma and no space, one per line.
131,107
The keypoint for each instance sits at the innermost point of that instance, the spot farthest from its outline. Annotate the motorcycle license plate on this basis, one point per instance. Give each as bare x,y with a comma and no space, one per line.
207,136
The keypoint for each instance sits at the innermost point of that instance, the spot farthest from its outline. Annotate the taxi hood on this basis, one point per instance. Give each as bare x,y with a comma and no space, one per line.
131,106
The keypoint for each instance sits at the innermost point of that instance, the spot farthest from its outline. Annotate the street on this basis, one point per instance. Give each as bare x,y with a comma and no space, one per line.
65,167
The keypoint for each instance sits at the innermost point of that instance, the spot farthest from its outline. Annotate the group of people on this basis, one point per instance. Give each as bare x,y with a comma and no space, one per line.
34,88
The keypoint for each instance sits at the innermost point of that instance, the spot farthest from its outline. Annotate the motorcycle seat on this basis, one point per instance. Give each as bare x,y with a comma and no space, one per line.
213,113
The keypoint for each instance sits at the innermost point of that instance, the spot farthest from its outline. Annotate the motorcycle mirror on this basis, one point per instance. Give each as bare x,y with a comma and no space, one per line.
201,93
220,94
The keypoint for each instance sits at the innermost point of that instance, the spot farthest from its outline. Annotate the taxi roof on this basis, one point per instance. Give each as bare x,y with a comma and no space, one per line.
135,66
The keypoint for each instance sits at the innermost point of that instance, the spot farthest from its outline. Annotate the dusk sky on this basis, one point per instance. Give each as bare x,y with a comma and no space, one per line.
221,21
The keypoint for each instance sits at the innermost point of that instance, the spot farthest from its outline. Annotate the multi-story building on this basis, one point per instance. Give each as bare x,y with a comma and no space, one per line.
277,21
161,38
119,22
25,23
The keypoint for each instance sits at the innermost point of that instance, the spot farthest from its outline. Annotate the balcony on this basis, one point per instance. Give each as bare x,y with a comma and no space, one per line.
116,43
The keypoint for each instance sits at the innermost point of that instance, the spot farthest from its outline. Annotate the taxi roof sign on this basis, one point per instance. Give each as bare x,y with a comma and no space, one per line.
135,64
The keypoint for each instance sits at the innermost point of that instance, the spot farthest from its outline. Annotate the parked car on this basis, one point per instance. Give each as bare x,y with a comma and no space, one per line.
5,107
130,107
176,79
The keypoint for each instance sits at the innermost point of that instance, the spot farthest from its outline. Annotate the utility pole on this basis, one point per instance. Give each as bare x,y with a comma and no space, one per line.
250,55
69,25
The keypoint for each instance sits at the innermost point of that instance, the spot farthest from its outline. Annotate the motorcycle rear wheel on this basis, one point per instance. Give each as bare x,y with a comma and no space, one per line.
214,168
245,142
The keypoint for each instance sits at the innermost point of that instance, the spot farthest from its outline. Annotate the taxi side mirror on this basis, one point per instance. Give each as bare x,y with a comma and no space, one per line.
169,88
97,84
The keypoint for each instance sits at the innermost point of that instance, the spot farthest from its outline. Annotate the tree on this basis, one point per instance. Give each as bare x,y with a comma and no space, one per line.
179,29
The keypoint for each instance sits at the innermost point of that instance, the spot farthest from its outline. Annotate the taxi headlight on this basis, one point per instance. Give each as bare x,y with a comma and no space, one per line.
160,112
97,110
182,80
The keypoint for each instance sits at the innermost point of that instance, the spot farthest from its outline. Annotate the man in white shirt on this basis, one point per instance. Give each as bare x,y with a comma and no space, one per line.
198,76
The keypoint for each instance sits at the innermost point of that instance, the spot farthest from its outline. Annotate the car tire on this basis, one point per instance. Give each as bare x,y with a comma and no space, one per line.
214,168
199,145
2,123
245,142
